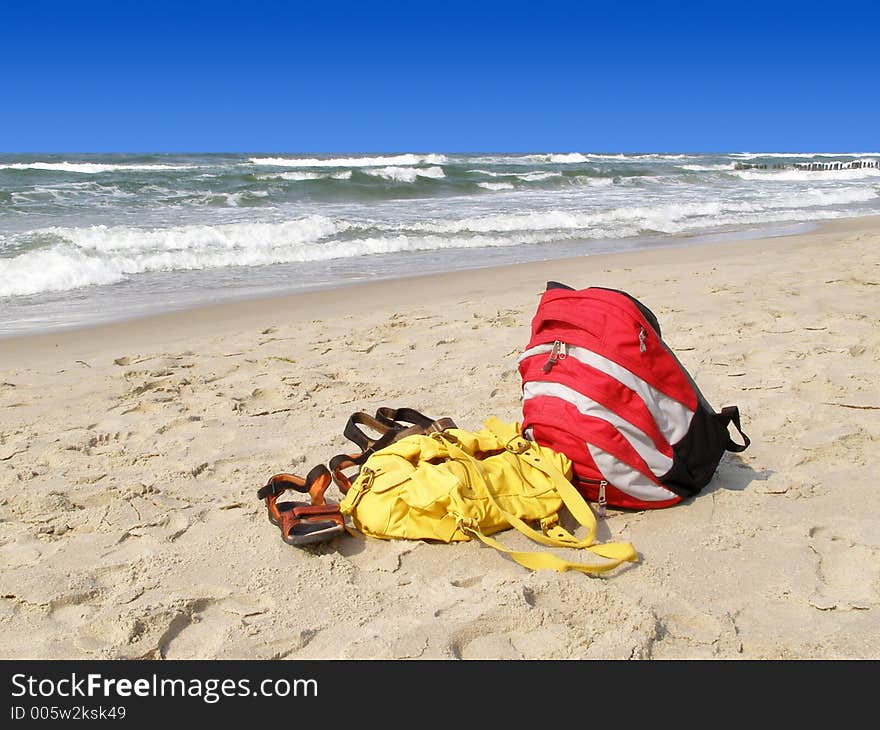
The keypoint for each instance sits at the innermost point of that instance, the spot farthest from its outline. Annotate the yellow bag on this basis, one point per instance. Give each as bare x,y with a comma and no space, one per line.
453,484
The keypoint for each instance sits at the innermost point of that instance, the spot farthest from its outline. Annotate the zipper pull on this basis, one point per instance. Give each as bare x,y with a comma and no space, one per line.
554,356
642,337
602,501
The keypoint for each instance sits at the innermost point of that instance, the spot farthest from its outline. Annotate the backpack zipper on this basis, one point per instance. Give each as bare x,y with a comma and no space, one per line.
602,501
642,337
557,352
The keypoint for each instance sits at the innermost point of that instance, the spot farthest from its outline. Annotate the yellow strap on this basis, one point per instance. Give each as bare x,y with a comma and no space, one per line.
557,536
549,561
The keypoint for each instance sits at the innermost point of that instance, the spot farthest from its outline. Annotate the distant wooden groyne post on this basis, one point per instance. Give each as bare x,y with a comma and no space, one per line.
811,166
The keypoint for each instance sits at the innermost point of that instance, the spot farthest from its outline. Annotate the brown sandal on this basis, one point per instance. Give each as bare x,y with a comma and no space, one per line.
319,521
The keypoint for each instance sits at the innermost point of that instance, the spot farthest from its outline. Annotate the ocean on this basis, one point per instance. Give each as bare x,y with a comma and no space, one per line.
92,238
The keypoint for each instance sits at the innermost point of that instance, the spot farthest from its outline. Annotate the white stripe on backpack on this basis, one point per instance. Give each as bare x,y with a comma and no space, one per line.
627,479
672,417
657,461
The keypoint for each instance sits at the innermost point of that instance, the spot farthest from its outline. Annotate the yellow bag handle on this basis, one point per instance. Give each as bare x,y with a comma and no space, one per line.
617,553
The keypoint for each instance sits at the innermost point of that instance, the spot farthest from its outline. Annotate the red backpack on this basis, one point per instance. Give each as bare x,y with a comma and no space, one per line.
600,385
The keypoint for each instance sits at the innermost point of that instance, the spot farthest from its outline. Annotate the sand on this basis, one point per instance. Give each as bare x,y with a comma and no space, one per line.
130,457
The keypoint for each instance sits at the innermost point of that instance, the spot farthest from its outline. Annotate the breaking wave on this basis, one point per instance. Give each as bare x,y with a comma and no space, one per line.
89,168
406,174
408,159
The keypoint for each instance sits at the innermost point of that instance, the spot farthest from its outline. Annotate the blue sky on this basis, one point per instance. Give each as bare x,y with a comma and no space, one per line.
263,75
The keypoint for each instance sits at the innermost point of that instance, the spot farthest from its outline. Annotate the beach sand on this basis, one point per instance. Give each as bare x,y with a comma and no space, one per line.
131,454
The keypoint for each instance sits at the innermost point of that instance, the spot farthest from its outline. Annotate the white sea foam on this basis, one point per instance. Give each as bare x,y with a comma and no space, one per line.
199,237
299,176
511,222
90,168
564,158
638,158
534,176
663,217
610,157
496,186
709,168
406,174
77,193
815,197
387,244
58,268
104,256
407,159
577,157
538,175
808,175
503,159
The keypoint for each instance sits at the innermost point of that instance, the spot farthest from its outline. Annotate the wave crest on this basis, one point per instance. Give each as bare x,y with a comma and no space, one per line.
407,159
406,174
89,168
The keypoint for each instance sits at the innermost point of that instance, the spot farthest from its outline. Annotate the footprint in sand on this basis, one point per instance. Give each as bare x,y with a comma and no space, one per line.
205,628
848,573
